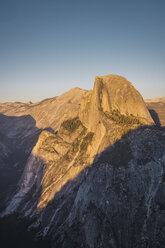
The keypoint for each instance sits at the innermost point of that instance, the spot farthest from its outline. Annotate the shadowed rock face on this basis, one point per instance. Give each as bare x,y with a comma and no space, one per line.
111,93
157,109
20,126
18,135
98,181
61,157
116,202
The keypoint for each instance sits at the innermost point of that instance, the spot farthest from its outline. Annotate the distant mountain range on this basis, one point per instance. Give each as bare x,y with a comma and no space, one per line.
160,99
84,169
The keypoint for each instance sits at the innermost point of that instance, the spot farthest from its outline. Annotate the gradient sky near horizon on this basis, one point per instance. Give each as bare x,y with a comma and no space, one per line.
49,46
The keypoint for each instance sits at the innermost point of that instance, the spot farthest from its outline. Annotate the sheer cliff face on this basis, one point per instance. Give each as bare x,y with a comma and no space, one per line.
111,93
20,126
98,180
116,202
104,116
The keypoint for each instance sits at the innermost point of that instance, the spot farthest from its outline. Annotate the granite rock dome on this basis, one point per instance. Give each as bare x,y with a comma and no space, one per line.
112,92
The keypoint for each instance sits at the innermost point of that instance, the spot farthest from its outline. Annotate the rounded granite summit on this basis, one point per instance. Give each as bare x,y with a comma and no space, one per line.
112,93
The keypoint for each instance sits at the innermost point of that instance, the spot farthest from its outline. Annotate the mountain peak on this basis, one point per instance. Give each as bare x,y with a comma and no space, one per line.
111,76
112,93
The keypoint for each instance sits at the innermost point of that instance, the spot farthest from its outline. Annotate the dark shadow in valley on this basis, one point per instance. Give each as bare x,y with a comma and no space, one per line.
14,227
126,232
155,117
119,155
57,211
18,136
51,130
14,234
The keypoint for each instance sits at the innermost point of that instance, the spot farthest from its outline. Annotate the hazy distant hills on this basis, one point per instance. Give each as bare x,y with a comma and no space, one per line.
49,112
86,168
160,99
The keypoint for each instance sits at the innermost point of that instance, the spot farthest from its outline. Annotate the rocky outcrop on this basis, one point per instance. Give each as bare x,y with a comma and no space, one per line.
104,116
20,127
118,201
51,112
111,93
95,176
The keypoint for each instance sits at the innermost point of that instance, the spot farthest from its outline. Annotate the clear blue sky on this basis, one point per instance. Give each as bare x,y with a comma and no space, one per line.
49,46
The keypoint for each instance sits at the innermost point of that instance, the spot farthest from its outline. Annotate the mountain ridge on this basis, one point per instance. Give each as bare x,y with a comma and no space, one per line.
98,156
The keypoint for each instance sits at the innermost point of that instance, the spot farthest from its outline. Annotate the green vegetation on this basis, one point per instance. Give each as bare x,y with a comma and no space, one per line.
72,124
48,148
50,142
75,145
116,116
66,157
87,139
